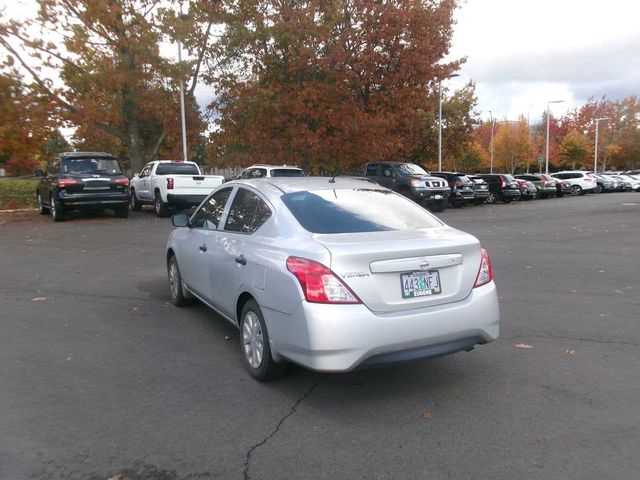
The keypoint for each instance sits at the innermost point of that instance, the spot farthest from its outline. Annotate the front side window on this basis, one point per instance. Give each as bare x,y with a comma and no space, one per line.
248,212
80,166
356,210
146,171
372,170
208,215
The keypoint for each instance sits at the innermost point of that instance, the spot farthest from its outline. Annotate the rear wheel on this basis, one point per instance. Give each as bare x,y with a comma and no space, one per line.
254,343
179,296
57,211
162,210
136,206
41,208
599,188
576,190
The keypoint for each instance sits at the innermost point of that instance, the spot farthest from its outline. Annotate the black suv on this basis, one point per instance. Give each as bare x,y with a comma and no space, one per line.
502,187
411,181
461,187
83,180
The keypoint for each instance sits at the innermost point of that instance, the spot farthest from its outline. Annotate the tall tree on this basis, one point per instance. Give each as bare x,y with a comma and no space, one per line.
513,147
575,150
330,83
107,56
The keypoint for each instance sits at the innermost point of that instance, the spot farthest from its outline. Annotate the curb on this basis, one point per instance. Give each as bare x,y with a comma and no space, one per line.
18,210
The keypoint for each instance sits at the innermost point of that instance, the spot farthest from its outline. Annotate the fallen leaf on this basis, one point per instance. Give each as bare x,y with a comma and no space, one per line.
523,346
427,415
571,353
39,299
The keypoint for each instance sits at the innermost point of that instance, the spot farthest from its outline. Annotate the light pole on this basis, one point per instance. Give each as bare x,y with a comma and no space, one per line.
440,120
595,159
491,145
546,158
182,115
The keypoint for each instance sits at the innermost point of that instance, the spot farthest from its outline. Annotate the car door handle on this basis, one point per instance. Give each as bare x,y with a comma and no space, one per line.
241,260
203,248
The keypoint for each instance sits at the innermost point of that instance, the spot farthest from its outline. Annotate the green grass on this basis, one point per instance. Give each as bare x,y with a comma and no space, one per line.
17,193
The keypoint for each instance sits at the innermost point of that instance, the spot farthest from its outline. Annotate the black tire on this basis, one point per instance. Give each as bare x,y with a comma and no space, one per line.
179,296
122,212
437,206
136,206
41,208
162,209
599,189
56,208
267,368
576,190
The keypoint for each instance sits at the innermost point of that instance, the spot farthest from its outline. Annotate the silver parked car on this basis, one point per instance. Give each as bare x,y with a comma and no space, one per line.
332,274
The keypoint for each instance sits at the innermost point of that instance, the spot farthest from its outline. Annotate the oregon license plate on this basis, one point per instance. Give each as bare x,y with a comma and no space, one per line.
420,284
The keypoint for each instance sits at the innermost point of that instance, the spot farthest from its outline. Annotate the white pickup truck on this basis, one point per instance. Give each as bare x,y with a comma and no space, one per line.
171,184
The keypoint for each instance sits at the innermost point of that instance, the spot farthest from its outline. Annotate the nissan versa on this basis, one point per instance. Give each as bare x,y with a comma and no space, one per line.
332,274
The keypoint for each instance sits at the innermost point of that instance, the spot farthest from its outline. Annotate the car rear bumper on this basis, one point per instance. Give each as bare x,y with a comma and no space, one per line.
184,200
90,200
338,338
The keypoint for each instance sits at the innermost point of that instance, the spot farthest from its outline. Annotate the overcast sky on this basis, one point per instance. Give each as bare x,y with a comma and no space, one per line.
522,53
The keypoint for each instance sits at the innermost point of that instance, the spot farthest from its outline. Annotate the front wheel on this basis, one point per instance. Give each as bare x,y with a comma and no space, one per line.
491,198
57,211
136,206
599,189
41,208
162,210
576,190
254,343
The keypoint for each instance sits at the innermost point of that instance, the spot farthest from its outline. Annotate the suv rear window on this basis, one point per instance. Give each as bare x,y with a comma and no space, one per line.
356,210
287,172
90,165
177,168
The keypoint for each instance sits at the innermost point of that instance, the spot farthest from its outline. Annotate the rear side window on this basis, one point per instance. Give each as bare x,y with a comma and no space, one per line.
248,212
356,210
372,170
287,172
208,215
177,168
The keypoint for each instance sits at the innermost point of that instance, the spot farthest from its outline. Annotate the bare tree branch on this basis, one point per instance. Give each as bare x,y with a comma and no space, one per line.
194,80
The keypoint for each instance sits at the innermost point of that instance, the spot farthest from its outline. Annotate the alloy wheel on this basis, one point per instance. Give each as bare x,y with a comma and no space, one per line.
252,339
174,280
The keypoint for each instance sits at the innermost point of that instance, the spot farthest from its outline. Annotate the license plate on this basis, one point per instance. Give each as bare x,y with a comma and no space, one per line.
438,197
420,284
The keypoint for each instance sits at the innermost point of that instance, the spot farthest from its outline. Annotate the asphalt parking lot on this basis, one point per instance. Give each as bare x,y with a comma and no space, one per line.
102,378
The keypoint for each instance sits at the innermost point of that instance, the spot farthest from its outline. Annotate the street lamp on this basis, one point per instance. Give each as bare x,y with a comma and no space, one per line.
491,145
595,160
440,120
546,159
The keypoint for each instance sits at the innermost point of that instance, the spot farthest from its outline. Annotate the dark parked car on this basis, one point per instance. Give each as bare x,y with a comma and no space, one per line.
528,190
412,181
603,183
83,181
545,185
501,187
461,187
480,189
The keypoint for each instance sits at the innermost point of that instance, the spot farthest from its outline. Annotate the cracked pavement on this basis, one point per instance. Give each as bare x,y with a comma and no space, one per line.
102,378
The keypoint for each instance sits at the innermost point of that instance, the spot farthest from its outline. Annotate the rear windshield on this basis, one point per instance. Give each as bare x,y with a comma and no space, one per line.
356,210
411,169
509,178
287,172
177,168
460,178
108,166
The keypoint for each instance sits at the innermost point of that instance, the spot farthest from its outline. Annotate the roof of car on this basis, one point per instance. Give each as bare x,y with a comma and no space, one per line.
264,165
86,154
301,184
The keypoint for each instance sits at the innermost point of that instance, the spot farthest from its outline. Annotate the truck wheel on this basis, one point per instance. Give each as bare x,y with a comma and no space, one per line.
136,206
162,210
57,211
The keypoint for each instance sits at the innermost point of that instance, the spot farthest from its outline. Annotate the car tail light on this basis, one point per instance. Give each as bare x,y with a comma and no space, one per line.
485,273
121,181
319,284
66,182
588,180
170,183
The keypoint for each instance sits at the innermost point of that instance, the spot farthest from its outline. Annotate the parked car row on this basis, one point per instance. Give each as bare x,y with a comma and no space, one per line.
95,181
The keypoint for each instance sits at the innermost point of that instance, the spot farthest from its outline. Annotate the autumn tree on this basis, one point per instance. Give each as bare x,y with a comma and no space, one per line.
575,150
27,119
104,68
513,147
330,83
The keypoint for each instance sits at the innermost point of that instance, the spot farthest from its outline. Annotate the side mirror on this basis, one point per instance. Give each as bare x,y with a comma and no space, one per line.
39,173
180,220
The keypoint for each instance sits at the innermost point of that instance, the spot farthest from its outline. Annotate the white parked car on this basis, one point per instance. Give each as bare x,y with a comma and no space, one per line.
171,184
268,171
332,274
581,182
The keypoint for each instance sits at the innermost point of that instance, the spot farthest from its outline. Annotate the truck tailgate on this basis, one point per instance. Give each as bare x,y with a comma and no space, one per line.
195,184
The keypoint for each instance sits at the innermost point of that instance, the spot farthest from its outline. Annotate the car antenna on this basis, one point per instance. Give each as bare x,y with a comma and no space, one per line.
337,173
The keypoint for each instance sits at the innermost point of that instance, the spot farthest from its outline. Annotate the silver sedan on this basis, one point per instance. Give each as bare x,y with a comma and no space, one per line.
332,274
